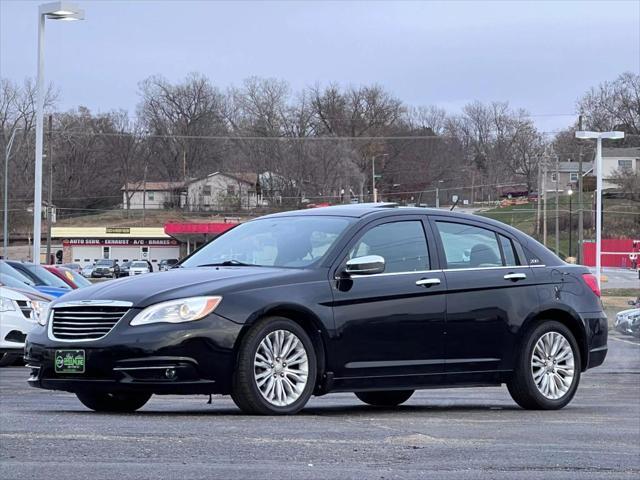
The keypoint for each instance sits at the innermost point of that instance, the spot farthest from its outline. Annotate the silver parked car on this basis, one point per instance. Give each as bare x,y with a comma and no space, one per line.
628,321
139,267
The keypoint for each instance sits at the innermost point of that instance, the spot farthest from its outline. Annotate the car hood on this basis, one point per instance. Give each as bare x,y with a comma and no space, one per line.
52,291
145,290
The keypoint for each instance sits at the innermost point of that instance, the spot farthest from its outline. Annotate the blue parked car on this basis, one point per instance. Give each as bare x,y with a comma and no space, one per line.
37,277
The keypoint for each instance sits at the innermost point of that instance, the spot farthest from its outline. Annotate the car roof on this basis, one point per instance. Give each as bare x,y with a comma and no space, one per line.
360,210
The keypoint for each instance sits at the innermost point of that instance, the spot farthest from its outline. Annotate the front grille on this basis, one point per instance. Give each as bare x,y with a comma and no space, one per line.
25,307
85,322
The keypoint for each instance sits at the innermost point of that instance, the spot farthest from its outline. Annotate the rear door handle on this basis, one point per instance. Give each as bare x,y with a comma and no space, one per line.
515,276
427,282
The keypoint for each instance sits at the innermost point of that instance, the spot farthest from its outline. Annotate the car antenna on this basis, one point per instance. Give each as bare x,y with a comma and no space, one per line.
454,204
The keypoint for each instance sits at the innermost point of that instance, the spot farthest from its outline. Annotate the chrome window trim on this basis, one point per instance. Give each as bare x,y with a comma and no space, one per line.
86,303
440,271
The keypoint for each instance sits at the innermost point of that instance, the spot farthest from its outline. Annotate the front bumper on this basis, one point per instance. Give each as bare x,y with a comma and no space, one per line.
194,357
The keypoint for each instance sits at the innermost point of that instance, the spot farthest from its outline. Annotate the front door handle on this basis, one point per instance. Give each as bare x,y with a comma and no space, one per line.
515,276
427,282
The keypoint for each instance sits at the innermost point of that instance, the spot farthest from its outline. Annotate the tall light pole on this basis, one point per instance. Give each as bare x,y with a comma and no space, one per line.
583,134
570,193
5,227
373,177
52,11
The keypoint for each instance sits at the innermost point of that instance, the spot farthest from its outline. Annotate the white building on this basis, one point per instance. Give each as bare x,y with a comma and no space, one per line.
151,195
221,191
86,245
619,159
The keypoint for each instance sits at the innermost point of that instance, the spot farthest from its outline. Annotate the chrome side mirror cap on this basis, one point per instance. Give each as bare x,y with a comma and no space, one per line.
367,265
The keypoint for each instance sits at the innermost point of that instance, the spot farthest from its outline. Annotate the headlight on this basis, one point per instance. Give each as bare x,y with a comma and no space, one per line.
7,305
111,269
40,312
177,311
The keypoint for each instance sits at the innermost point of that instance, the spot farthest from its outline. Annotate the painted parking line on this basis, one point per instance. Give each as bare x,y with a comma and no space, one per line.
623,340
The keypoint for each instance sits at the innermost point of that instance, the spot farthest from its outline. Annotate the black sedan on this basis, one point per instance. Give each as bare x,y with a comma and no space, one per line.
371,299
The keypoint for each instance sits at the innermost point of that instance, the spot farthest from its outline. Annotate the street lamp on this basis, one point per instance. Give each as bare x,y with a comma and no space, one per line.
52,11
598,167
570,193
5,228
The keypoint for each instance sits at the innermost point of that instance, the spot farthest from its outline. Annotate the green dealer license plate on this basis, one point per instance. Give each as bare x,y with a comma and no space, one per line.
69,361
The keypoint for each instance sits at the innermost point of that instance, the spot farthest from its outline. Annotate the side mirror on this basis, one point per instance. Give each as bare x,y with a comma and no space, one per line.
367,265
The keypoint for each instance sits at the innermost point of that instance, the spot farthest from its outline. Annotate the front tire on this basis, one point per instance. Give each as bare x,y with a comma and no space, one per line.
113,402
547,370
390,398
276,368
7,359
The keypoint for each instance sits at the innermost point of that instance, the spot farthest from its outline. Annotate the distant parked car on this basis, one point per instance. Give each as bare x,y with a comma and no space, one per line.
106,268
124,268
44,281
70,277
167,264
628,321
76,267
87,270
139,267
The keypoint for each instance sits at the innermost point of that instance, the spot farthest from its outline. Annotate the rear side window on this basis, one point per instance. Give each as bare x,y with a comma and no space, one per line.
510,258
402,245
468,246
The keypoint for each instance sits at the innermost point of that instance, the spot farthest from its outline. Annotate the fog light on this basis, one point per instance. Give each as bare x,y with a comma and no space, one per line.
170,373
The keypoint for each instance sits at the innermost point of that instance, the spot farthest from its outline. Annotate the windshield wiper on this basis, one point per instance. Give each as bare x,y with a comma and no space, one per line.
229,263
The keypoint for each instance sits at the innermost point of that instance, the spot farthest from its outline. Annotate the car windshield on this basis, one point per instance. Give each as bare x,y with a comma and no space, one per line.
294,242
8,270
139,264
76,278
104,262
47,277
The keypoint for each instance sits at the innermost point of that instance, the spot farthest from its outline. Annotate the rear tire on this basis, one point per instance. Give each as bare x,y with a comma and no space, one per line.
263,382
390,398
113,402
549,350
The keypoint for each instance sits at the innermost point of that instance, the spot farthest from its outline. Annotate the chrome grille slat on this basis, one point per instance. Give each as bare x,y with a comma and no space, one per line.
85,322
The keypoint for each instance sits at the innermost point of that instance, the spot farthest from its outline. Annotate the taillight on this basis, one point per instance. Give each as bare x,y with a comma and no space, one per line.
592,283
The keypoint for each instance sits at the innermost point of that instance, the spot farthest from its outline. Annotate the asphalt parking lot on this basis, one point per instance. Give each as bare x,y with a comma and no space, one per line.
461,433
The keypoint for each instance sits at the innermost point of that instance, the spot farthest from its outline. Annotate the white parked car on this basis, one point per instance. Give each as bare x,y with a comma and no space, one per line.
18,314
139,267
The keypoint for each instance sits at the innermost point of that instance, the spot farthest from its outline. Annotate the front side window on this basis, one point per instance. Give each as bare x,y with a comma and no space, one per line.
293,242
402,245
467,246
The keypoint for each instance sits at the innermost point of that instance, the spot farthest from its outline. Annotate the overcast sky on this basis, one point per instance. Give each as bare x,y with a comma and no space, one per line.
537,55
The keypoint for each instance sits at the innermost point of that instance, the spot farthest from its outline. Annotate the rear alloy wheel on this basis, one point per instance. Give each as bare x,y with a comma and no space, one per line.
276,368
390,398
548,370
113,402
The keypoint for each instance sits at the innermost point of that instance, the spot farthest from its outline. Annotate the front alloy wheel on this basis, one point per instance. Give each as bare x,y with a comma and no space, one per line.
276,369
281,368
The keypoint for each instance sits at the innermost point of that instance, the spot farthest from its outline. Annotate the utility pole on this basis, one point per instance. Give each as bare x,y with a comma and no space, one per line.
557,206
144,194
373,179
50,199
580,188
